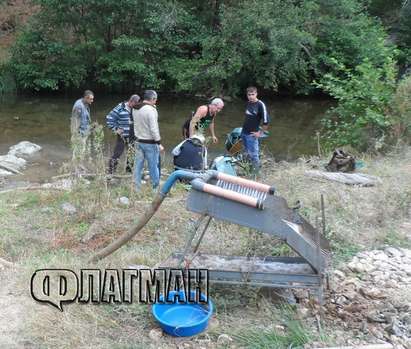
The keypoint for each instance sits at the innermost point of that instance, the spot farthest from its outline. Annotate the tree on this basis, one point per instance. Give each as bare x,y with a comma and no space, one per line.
213,47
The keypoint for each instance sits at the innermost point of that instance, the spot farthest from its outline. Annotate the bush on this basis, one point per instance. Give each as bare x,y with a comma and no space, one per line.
362,118
7,82
401,110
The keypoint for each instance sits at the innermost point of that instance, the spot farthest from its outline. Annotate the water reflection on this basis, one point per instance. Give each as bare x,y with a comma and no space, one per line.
45,121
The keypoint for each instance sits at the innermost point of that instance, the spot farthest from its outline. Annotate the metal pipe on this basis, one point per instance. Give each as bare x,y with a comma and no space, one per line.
199,185
202,234
181,174
244,182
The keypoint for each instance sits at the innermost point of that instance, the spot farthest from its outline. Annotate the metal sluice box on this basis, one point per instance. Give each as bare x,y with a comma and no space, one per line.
278,272
255,205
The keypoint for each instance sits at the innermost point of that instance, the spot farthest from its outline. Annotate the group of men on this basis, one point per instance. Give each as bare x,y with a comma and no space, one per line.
135,124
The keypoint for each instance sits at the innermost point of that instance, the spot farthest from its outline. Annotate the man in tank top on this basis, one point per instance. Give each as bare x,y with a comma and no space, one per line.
203,118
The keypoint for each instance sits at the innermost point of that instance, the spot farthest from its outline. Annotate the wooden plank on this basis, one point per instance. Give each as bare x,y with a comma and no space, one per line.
346,178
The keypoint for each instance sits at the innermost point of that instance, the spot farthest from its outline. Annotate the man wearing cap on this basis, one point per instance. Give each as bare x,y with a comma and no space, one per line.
255,114
148,140
203,118
120,121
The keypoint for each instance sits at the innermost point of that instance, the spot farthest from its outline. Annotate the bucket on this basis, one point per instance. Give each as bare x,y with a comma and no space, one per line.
181,318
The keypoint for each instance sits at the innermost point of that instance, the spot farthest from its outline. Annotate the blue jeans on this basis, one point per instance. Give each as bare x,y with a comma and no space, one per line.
251,146
151,153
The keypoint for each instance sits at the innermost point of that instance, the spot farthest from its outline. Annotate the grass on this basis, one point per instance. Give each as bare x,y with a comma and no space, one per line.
36,234
394,238
295,337
286,331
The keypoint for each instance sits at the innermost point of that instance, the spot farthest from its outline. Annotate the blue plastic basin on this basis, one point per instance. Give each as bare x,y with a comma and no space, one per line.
181,318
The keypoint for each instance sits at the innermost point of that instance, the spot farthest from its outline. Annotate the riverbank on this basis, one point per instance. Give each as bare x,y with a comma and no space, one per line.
61,229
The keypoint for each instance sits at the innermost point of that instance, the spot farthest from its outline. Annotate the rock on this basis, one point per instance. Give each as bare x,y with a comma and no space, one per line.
351,294
351,283
224,339
214,324
355,307
395,328
391,284
4,173
300,293
389,316
405,251
372,292
68,208
64,184
303,312
363,254
375,316
368,267
202,342
339,274
376,332
341,300
24,148
407,269
386,266
12,163
378,275
406,342
46,210
155,334
380,256
343,315
285,295
123,201
406,319
356,267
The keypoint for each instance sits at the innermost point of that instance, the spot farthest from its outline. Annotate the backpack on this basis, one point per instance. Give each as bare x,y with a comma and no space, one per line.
341,162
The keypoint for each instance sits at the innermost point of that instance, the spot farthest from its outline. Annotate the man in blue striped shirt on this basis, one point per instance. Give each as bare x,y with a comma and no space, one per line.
120,121
255,114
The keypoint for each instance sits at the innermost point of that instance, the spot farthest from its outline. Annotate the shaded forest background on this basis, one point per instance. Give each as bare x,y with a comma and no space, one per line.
356,51
207,47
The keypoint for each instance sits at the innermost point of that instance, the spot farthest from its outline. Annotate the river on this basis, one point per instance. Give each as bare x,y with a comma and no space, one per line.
45,121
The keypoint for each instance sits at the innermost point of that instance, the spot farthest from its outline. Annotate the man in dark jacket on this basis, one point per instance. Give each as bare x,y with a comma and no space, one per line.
255,114
120,121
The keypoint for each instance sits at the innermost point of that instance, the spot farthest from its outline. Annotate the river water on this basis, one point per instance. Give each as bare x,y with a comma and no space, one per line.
45,121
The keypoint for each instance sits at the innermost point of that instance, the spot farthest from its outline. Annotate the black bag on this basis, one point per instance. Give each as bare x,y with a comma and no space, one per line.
341,162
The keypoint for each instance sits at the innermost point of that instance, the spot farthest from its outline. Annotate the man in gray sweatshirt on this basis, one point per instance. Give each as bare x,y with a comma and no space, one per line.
80,125
148,140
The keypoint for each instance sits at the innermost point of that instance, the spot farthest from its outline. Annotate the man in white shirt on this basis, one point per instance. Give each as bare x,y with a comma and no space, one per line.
148,140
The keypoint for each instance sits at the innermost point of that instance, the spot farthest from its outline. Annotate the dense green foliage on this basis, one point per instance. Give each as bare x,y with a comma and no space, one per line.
401,110
362,117
221,46
215,46
7,82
